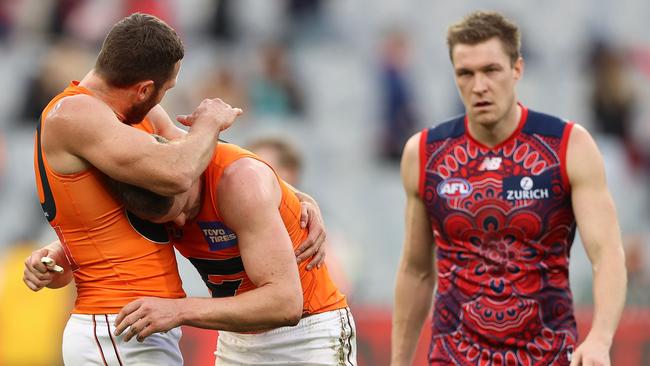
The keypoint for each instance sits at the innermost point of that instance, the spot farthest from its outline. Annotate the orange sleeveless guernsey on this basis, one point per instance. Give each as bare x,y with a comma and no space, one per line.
115,257
212,247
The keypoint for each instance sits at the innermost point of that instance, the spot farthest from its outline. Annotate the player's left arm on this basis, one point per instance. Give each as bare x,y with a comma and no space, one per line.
249,196
310,217
596,218
163,124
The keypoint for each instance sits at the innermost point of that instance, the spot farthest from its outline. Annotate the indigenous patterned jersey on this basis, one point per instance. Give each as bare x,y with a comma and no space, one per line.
503,226
213,249
115,257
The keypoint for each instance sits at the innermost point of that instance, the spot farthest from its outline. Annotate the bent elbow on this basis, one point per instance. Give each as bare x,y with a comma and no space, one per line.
292,310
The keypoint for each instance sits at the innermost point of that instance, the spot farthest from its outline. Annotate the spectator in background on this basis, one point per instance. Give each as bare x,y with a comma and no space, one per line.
613,98
275,92
62,62
223,81
305,19
282,155
221,25
398,114
6,20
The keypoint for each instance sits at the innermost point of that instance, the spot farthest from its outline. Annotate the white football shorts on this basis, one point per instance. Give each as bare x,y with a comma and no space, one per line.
322,339
89,340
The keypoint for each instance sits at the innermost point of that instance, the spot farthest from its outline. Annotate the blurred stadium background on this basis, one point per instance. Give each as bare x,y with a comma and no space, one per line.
346,82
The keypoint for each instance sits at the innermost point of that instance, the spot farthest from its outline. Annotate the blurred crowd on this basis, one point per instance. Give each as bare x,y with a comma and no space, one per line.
339,86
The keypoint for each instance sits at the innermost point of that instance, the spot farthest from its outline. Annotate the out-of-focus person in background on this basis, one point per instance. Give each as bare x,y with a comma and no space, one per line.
399,117
494,198
613,99
282,155
59,65
274,92
224,82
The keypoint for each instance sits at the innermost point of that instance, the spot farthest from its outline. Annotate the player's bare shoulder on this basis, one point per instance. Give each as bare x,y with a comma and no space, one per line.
411,162
77,107
246,185
71,120
247,172
584,163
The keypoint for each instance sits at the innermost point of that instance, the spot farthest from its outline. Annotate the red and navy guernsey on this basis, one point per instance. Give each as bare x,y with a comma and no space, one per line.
503,226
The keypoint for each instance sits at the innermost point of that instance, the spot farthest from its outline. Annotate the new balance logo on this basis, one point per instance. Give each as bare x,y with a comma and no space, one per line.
490,163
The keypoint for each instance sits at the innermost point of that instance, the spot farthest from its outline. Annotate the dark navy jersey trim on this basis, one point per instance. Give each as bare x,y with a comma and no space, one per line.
221,267
48,205
449,129
544,124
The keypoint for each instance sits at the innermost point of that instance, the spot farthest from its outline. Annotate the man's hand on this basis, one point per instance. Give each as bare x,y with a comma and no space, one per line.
212,111
313,247
147,316
37,274
591,353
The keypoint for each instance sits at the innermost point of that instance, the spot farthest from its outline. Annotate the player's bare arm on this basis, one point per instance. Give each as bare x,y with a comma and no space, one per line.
596,218
310,216
163,124
249,198
82,130
38,274
416,274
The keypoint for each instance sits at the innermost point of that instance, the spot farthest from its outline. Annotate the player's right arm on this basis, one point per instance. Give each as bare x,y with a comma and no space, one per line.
416,275
38,275
81,129
249,197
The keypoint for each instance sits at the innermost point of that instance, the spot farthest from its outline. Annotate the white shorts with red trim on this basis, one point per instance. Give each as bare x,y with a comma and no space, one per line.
89,340
322,339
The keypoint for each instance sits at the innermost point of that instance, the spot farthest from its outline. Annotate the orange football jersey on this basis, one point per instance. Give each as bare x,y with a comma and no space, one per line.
212,247
115,257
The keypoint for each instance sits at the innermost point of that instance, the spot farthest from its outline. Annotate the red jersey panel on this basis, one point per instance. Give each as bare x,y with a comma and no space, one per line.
503,226
115,257
212,247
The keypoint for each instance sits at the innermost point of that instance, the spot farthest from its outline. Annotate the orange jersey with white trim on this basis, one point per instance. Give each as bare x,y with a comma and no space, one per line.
115,257
213,249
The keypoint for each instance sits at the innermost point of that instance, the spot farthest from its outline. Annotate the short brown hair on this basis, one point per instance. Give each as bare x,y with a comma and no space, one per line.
288,155
481,26
139,47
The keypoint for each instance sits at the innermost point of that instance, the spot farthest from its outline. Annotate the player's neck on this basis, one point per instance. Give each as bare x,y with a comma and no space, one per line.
493,134
115,98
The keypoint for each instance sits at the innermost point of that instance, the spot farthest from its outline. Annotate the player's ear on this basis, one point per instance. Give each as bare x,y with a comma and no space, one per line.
145,89
519,68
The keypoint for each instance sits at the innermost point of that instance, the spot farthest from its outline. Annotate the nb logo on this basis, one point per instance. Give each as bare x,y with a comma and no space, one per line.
490,163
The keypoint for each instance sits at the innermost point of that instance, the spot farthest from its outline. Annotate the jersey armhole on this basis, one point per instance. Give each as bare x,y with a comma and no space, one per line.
563,153
422,156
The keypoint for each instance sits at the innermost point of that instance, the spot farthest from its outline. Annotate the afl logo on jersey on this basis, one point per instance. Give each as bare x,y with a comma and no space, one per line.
454,188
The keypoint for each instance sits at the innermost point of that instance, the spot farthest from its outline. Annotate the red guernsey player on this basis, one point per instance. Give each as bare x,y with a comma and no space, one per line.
494,198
